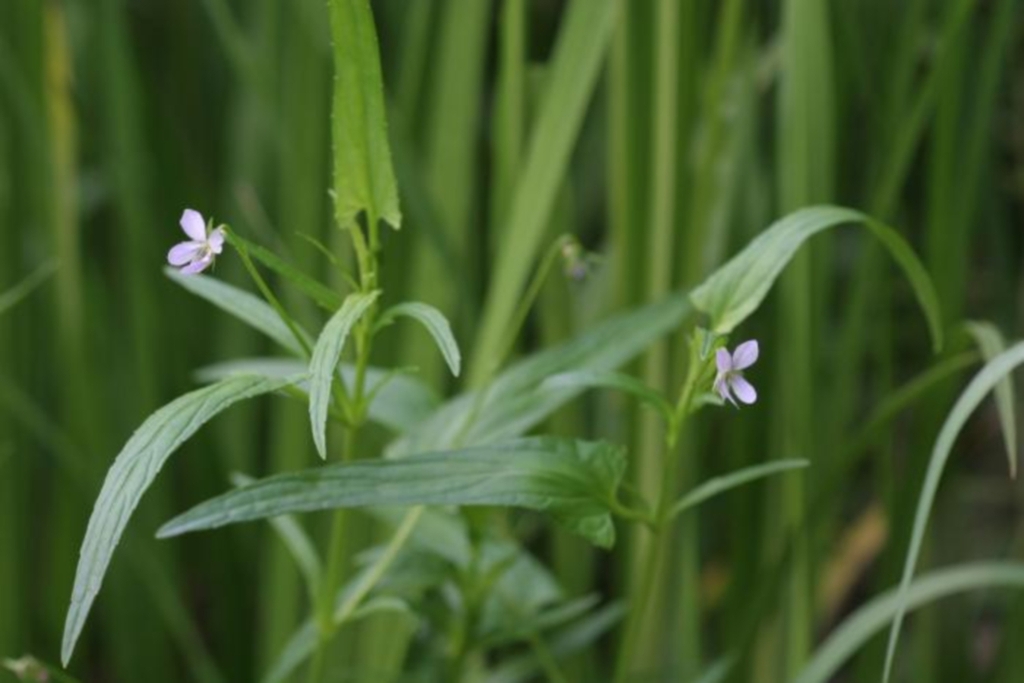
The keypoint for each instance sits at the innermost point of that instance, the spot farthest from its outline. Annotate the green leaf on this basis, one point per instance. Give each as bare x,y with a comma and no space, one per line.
713,487
324,297
858,628
609,379
396,401
518,399
989,376
18,292
436,324
363,177
991,343
582,42
325,358
134,470
250,309
297,542
571,480
734,291
528,625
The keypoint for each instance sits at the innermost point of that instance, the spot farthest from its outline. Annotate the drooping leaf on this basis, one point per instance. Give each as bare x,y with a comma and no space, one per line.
250,309
858,628
716,485
734,291
399,401
436,324
991,343
133,471
518,398
326,355
322,295
573,481
989,376
363,177
609,379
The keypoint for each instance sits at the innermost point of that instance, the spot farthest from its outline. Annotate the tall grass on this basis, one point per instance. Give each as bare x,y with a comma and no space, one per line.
663,135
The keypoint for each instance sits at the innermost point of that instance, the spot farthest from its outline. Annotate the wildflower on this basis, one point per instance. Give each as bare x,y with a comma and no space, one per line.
195,255
729,379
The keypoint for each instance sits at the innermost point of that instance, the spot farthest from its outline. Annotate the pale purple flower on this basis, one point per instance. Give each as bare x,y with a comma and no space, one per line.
195,255
729,381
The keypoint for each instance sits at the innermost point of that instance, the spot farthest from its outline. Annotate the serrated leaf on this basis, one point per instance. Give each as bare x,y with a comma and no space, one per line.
250,309
991,343
570,480
734,291
858,628
436,324
133,471
326,355
989,376
609,379
398,401
363,177
717,485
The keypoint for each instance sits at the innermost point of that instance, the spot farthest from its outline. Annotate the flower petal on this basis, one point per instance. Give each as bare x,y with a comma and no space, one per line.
216,240
183,252
193,225
721,387
723,360
745,355
199,265
744,390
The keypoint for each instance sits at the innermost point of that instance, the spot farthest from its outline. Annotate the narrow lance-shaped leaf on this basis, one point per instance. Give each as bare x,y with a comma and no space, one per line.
734,291
989,376
132,473
717,485
323,295
436,324
363,177
991,343
250,309
609,379
325,358
571,480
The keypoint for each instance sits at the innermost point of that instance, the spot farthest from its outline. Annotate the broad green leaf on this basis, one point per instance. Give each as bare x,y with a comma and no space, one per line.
133,471
399,401
22,289
858,628
436,324
363,177
518,399
326,355
991,343
609,379
716,485
570,480
575,66
324,297
297,542
250,309
989,377
734,291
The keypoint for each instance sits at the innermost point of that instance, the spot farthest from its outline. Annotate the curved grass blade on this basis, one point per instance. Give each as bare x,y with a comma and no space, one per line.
436,324
859,627
250,309
734,291
716,485
18,292
989,376
134,470
991,343
573,481
609,379
325,358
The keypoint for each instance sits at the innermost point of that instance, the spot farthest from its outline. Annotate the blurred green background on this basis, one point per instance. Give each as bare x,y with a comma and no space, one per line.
701,122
